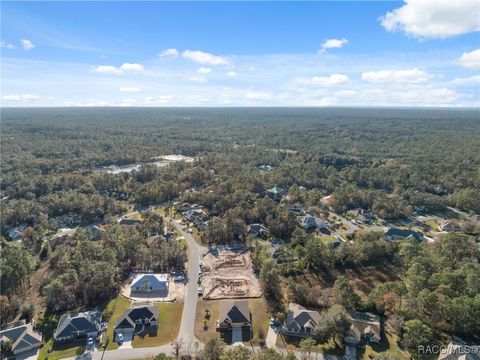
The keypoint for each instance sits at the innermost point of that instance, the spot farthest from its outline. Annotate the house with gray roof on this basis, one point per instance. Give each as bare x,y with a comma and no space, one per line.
457,349
72,327
21,339
365,329
300,322
257,230
136,320
142,283
396,234
234,314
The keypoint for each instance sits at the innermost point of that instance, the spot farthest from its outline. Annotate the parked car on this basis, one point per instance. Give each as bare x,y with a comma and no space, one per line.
90,342
120,337
200,291
273,321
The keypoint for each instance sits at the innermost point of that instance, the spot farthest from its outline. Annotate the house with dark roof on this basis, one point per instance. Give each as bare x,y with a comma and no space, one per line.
257,230
396,234
234,318
365,329
137,320
312,222
300,322
16,233
72,327
21,339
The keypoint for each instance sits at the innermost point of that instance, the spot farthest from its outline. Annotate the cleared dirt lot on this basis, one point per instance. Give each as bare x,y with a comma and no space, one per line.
227,273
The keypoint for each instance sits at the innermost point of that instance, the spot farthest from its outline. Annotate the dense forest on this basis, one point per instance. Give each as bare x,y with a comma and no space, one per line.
392,162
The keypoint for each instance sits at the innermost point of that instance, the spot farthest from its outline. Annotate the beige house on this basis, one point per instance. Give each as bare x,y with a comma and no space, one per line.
300,322
366,328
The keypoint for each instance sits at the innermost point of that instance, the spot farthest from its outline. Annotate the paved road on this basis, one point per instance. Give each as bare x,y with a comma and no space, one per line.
186,332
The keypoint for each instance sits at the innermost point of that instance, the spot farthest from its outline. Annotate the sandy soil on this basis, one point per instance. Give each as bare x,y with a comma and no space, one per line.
229,274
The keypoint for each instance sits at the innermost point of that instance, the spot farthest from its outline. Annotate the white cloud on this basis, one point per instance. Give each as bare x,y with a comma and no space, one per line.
27,44
107,69
434,18
129,89
204,58
196,99
334,79
396,76
470,59
169,53
126,67
258,96
132,67
345,93
333,44
6,45
195,78
470,81
20,97
231,74
204,70
159,100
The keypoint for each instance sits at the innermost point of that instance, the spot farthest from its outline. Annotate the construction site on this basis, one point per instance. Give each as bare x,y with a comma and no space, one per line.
226,273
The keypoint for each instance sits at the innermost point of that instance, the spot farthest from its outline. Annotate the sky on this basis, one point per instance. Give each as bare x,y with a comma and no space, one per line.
379,53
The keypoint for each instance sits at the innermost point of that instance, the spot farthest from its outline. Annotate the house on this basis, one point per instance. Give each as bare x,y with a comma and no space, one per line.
312,222
16,233
235,320
66,221
361,215
187,206
366,328
265,168
72,327
447,225
395,234
295,209
257,230
136,320
94,232
457,349
130,222
149,283
300,322
21,339
193,214
275,192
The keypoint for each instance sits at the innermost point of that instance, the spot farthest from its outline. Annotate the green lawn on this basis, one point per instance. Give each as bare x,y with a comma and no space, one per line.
209,333
260,317
387,344
118,307
170,318
59,351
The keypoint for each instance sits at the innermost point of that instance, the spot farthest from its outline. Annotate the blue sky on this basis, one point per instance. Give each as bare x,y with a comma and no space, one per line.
415,53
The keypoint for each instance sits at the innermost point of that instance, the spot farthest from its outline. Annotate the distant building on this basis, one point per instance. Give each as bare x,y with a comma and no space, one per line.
265,168
136,320
130,222
72,327
94,232
297,210
149,283
193,214
300,322
257,230
276,192
459,350
447,225
309,222
366,328
21,338
395,234
16,234
361,215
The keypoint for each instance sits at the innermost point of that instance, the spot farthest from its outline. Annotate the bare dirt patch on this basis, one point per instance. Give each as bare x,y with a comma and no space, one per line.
227,273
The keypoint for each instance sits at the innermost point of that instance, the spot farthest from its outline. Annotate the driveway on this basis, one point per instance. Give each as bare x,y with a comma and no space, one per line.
271,338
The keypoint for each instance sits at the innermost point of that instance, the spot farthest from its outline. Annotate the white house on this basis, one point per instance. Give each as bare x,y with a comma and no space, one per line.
149,283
